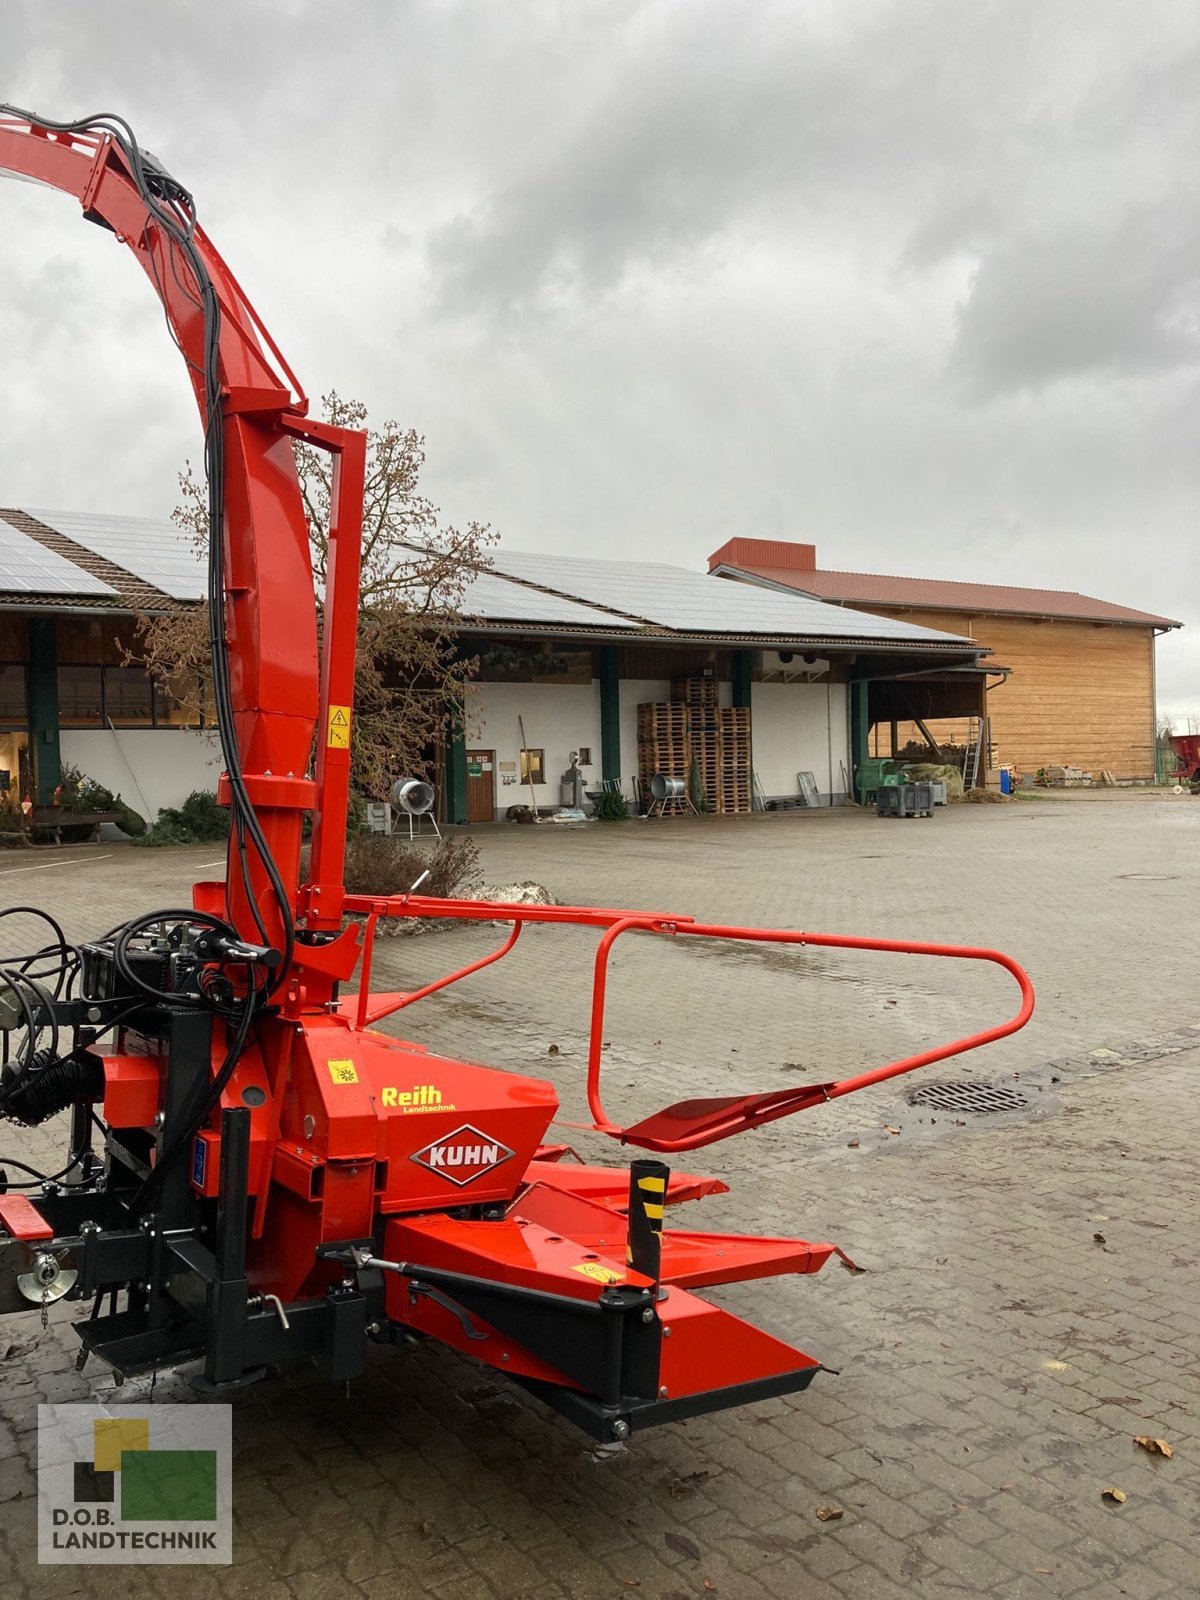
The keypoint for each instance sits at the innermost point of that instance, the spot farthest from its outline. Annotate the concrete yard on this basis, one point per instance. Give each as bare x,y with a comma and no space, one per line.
1031,1297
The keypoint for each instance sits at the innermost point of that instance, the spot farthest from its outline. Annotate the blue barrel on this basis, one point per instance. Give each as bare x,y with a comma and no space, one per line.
1005,781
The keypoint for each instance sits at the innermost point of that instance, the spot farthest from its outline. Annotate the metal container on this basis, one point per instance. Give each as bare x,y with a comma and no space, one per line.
904,800
664,788
413,796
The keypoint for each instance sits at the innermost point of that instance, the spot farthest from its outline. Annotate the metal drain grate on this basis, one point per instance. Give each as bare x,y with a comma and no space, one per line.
984,1099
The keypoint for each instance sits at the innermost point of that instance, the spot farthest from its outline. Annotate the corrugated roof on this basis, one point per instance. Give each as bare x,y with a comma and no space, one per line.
686,602
882,589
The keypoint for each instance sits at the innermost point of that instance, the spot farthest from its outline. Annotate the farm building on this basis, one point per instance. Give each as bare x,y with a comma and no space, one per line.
1077,688
635,667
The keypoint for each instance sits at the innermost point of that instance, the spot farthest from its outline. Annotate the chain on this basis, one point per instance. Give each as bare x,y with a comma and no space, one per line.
45,1306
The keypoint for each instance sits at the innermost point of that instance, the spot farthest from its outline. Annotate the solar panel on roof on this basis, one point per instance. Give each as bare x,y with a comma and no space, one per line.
492,596
158,553
26,567
694,602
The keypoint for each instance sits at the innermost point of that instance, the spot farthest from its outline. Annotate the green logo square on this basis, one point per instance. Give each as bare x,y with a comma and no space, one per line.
168,1485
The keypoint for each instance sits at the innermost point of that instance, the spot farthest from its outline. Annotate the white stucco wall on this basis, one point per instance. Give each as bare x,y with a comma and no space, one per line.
559,717
800,727
148,767
635,692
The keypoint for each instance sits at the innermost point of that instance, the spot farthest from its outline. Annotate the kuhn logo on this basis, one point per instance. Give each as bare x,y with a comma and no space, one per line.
463,1156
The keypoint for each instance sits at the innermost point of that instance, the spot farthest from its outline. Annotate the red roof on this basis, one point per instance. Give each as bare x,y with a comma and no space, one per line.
793,566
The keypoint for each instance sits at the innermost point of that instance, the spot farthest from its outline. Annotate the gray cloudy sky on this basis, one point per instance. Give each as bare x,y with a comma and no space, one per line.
916,280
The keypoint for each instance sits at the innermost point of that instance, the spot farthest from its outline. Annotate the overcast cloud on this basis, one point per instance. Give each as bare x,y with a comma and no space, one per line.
918,281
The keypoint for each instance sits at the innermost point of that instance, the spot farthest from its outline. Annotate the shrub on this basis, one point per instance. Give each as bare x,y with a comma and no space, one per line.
612,806
199,820
81,795
376,864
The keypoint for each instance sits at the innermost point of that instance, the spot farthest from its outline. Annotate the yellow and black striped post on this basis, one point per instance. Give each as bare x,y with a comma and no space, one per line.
647,1198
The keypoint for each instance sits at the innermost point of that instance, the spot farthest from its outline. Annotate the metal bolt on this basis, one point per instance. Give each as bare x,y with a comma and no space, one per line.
648,1314
94,1014
620,1430
373,1327
347,1283
504,1355
662,1393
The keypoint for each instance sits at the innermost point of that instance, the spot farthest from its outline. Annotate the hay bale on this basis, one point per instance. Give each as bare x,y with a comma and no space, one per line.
938,772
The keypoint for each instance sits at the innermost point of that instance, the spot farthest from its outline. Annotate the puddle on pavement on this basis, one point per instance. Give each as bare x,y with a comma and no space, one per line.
801,962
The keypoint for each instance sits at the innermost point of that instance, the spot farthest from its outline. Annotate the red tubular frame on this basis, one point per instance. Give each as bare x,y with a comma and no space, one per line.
615,923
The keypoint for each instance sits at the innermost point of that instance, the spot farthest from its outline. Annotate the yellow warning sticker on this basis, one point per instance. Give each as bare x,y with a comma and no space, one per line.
338,734
602,1274
343,1072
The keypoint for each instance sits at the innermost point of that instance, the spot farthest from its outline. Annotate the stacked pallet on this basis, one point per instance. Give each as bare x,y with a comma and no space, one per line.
671,737
664,742
733,732
697,694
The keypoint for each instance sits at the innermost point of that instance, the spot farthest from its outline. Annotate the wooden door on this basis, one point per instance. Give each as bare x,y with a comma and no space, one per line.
481,785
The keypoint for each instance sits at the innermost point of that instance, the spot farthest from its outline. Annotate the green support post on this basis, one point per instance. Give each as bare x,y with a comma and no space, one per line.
610,713
741,678
860,730
43,709
456,773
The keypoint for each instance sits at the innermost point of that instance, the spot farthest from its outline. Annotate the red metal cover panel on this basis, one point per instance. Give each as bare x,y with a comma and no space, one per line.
21,1218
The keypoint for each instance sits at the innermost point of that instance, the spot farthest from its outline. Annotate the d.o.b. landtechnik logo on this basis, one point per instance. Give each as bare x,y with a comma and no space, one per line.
145,1485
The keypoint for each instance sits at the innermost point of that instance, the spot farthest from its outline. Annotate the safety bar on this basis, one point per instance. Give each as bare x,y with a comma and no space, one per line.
743,1112
714,1119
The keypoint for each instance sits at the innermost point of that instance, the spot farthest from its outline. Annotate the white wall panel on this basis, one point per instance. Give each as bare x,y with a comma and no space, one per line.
148,767
635,692
799,727
559,717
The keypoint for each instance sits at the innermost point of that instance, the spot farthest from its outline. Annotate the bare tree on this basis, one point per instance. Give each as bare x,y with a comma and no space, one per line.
411,674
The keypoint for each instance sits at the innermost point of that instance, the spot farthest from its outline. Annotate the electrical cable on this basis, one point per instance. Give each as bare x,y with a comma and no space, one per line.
196,1120
173,208
40,1177
131,930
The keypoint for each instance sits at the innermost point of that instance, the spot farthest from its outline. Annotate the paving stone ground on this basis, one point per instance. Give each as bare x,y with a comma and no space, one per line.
996,1358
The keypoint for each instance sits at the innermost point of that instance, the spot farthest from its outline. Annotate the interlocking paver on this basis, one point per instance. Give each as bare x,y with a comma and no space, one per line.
997,1361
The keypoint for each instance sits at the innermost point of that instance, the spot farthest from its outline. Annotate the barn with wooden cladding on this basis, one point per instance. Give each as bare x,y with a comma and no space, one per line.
1071,681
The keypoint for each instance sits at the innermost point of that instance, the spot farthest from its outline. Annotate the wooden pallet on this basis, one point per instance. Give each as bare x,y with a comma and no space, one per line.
693,731
695,691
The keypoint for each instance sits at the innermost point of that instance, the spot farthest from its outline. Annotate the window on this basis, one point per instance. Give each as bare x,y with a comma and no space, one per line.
182,702
14,705
80,697
585,755
533,766
127,697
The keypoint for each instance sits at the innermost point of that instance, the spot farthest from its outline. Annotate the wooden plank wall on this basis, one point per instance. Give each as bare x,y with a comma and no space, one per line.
1080,694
